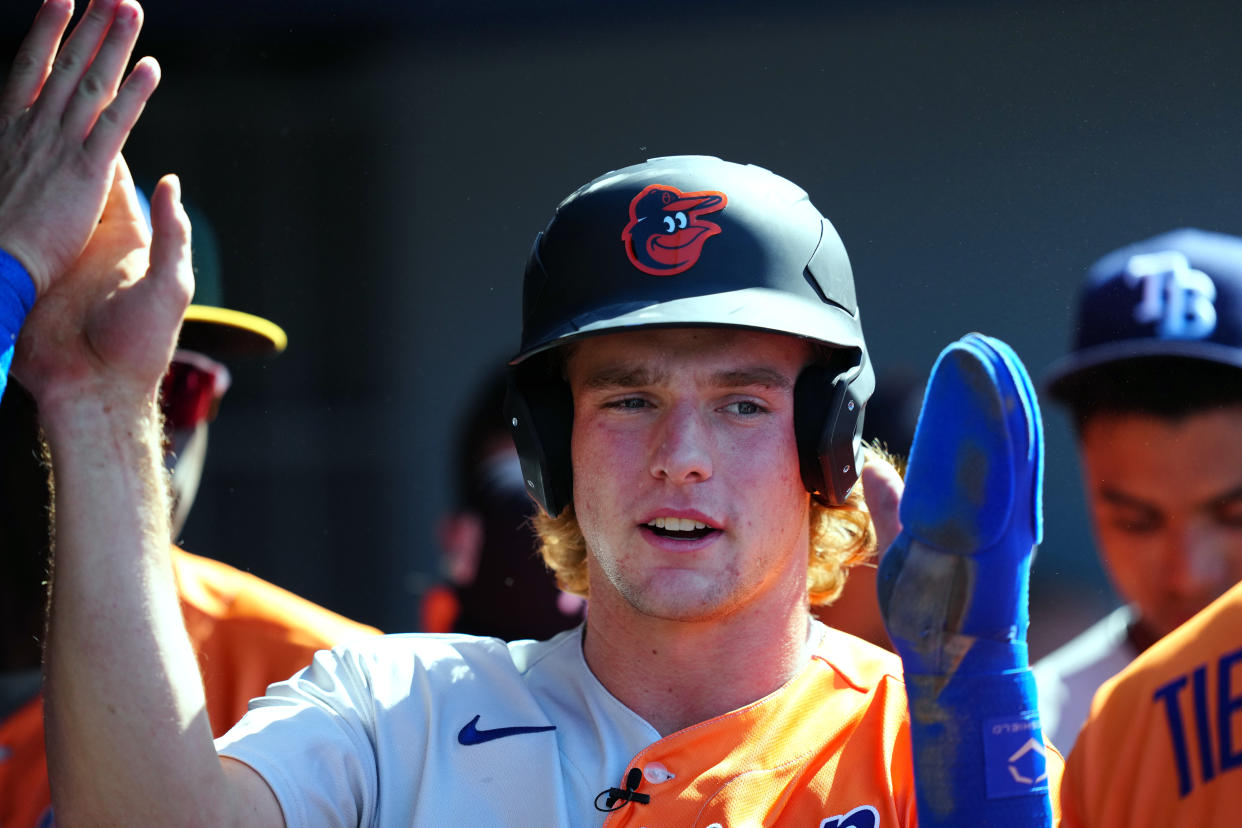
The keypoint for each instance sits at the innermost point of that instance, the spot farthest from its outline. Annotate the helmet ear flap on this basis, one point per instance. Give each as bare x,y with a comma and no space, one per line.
540,411
829,399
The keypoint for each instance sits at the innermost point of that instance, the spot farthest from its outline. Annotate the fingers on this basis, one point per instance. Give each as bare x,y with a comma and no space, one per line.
75,56
59,146
102,75
115,122
883,488
170,239
34,58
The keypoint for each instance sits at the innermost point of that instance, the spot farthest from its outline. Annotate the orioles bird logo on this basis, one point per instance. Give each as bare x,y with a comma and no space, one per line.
666,234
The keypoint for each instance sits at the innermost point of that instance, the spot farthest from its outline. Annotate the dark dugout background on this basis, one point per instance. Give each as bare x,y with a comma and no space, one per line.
375,174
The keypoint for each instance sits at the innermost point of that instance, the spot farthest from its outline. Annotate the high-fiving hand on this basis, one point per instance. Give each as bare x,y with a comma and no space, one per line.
65,113
111,320
953,589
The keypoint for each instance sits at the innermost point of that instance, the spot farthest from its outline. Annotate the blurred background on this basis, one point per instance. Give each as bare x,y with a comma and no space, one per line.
375,173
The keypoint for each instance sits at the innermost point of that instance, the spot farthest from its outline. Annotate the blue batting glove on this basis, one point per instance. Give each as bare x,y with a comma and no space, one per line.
954,589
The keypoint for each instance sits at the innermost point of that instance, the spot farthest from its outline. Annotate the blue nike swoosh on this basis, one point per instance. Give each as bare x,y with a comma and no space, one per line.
471,735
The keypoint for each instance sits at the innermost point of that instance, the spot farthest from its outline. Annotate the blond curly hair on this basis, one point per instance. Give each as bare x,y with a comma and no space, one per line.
841,537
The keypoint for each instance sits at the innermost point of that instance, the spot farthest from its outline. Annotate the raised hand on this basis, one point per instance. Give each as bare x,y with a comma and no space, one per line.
970,514
64,115
953,590
110,322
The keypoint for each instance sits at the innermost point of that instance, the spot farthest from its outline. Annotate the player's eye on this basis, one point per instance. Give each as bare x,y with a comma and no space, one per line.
669,225
681,220
1135,527
747,408
627,404
1135,522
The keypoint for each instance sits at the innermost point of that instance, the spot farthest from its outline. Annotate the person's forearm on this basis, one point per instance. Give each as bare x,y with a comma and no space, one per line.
126,724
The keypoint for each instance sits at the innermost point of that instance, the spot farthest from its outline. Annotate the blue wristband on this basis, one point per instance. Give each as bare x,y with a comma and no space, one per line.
17,297
979,751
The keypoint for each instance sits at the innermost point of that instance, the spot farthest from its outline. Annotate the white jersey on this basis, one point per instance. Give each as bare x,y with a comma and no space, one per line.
1068,677
466,714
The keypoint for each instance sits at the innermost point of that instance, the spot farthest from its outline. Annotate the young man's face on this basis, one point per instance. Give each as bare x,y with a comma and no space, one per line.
686,478
1166,499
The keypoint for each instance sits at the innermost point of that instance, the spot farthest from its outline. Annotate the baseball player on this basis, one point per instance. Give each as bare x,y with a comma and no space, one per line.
686,402
1160,746
1154,386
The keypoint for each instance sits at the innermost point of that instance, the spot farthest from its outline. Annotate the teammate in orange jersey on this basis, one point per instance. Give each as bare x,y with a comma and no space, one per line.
1163,743
686,402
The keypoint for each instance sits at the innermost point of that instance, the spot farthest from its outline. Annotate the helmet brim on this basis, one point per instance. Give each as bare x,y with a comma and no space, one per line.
759,309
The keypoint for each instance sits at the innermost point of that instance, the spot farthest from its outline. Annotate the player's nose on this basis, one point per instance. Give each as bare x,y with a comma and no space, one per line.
682,446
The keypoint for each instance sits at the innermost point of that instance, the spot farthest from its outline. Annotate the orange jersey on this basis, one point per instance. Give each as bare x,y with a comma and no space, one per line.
831,748
25,801
1163,742
247,632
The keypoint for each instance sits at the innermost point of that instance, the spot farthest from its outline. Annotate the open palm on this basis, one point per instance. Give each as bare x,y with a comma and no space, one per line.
109,324
65,112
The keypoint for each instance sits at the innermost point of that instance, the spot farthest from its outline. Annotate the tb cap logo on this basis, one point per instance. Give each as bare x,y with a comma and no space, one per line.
666,232
1175,296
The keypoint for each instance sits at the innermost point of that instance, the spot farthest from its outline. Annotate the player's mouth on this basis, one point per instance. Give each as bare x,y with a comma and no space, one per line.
677,528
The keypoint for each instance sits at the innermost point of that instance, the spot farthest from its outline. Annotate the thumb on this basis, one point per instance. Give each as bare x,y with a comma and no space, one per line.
171,266
883,487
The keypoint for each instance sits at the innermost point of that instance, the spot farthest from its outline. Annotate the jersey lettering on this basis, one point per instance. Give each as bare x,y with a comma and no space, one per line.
1175,296
1223,751
864,816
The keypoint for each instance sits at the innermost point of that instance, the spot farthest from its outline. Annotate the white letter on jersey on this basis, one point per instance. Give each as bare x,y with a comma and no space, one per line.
1178,298
864,816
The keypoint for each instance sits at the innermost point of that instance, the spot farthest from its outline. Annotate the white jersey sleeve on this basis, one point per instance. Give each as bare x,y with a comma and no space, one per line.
322,722
434,730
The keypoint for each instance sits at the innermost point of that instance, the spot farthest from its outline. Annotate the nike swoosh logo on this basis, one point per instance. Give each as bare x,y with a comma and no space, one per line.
471,735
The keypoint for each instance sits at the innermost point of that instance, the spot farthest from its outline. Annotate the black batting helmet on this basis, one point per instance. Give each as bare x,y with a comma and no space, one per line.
691,241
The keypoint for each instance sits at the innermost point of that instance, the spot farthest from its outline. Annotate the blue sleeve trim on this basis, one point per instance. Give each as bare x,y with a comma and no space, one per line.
17,297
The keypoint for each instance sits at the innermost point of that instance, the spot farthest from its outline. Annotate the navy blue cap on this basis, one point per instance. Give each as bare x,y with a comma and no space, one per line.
1176,295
